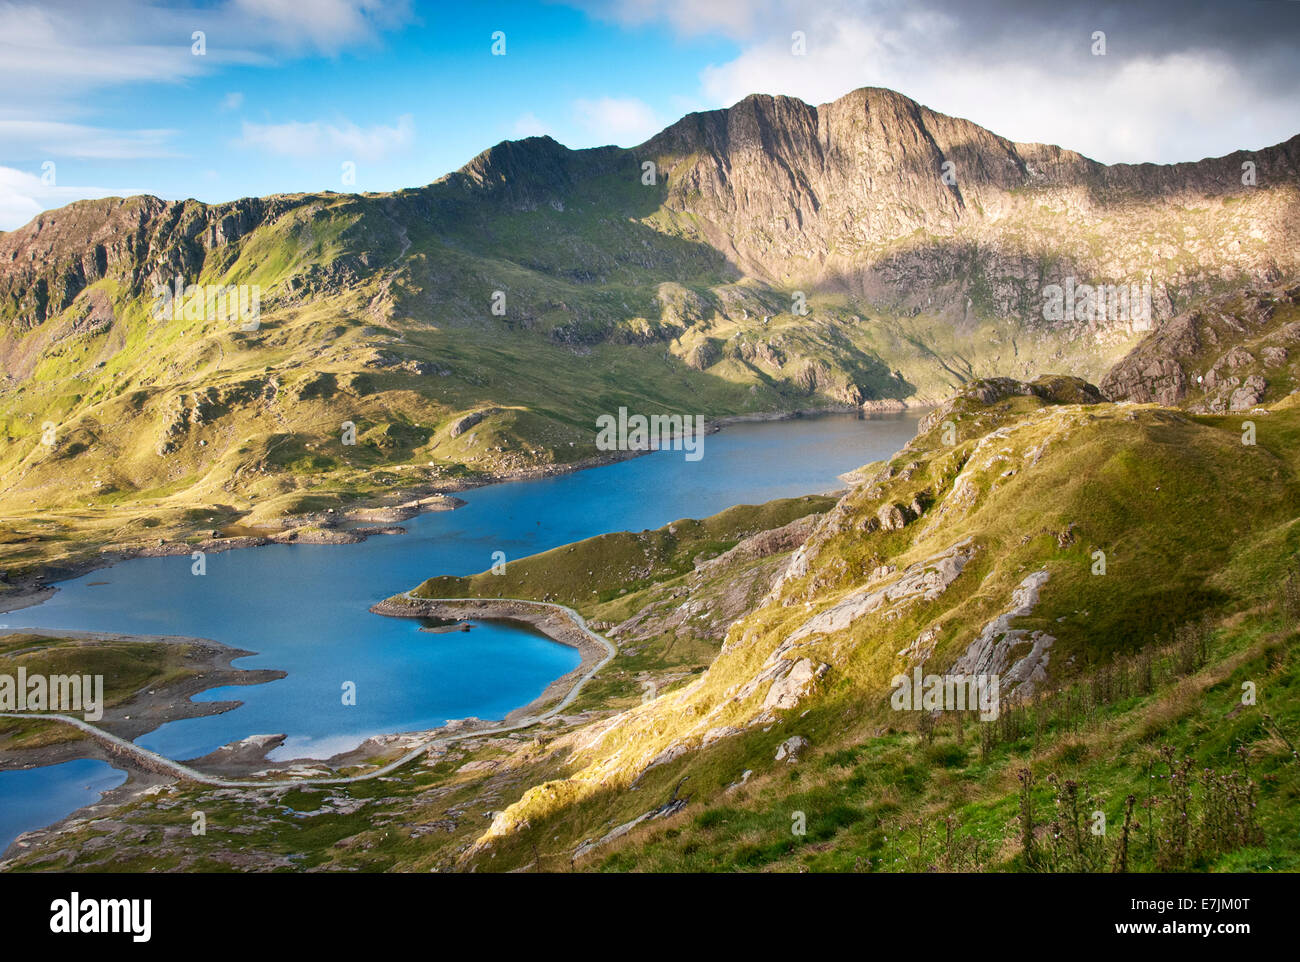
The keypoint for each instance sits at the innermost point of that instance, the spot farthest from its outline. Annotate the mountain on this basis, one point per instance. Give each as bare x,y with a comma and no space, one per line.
867,252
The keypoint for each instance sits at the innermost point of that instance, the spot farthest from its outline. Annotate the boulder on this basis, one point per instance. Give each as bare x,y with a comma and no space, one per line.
787,689
1248,395
893,517
467,421
790,748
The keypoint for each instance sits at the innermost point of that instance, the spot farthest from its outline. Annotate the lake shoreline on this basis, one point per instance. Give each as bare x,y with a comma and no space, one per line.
247,755
403,504
147,710
142,713
550,621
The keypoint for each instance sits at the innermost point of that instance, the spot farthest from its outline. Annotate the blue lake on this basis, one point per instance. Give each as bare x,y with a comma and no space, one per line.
303,608
35,797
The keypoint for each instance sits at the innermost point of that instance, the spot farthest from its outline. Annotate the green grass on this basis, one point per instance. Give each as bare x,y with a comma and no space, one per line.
126,667
590,573
1178,505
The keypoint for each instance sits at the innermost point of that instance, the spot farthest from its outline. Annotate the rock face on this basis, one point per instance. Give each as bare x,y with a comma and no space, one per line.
1248,395
779,188
143,240
1202,359
893,517
465,422
990,653
924,580
710,618
765,543
794,189
818,173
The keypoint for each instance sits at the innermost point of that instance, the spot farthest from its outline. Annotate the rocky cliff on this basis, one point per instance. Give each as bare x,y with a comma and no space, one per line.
1230,354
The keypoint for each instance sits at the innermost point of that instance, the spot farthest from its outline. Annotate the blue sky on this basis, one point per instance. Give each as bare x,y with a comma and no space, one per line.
406,101
287,91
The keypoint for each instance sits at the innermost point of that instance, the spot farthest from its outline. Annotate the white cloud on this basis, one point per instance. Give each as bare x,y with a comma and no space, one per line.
55,50
324,25
1032,80
1135,110
23,195
317,139
57,56
624,121
689,17
529,125
48,137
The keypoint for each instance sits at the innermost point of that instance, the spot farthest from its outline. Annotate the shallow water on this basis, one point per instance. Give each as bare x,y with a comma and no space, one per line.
35,797
303,608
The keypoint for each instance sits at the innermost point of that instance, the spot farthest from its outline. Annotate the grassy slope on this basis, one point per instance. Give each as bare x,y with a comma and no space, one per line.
1192,523
610,566
611,577
127,667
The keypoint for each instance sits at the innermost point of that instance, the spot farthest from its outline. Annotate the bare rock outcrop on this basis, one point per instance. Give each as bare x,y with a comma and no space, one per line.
991,652
921,581
1201,359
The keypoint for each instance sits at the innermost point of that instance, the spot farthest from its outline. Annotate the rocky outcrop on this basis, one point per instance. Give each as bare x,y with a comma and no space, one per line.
139,241
1248,395
703,355
894,517
788,751
1055,389
764,544
708,613
1217,358
788,688
467,421
991,652
921,581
